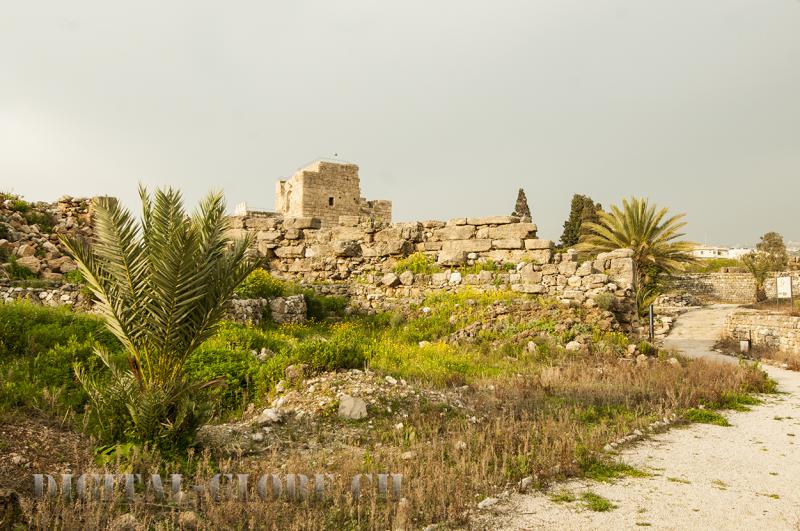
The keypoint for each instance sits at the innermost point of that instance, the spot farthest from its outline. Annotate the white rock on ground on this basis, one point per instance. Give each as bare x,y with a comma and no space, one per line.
352,407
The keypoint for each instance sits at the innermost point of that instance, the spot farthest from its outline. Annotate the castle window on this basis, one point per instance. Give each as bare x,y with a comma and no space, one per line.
330,201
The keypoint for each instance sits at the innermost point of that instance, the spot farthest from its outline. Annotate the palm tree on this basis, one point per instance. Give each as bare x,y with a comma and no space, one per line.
161,286
646,229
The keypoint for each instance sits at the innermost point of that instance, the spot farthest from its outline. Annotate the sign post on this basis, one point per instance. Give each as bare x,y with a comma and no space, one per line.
784,289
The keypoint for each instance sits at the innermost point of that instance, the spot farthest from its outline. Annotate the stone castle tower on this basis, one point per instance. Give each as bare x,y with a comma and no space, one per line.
327,190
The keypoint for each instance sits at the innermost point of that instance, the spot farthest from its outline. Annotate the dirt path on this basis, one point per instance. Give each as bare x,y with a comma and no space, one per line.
704,477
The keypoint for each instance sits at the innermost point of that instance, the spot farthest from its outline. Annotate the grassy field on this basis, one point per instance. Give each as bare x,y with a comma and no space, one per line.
528,408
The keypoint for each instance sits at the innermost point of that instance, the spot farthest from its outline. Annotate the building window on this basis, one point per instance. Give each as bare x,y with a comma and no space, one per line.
330,201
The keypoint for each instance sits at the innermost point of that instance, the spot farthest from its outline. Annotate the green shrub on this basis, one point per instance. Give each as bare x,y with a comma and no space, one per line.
42,220
19,205
260,285
238,368
4,232
417,263
74,277
604,301
323,306
17,271
28,329
705,416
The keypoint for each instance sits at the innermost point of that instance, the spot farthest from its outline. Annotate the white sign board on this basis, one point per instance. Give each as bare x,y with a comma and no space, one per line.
784,287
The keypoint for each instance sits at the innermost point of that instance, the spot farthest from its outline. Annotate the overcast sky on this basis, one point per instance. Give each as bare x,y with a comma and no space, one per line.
448,107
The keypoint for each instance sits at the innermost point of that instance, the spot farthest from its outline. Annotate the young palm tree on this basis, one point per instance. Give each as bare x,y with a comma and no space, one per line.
642,227
161,286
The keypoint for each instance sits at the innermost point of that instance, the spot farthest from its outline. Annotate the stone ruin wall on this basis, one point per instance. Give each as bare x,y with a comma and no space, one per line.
37,247
766,329
326,191
734,288
355,258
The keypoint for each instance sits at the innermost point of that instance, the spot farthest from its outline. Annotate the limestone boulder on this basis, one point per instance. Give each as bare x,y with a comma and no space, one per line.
390,280
346,248
351,407
31,262
452,258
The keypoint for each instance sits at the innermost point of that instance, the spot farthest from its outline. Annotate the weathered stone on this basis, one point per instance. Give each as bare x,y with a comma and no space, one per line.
293,234
268,416
295,374
535,244
352,408
346,248
406,278
291,309
25,250
452,258
290,251
528,288
492,220
390,280
31,262
540,257
507,244
459,232
513,230
467,246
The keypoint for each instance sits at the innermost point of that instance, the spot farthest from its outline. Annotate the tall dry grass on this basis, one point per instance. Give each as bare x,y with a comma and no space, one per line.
549,425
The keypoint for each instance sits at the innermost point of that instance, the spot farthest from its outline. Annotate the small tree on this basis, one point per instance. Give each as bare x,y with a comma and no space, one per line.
161,286
772,246
583,210
770,256
521,209
654,238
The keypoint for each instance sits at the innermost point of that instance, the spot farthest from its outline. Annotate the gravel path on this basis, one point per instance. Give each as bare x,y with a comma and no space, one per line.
704,477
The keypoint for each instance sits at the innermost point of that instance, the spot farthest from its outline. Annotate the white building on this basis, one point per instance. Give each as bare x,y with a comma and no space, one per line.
720,252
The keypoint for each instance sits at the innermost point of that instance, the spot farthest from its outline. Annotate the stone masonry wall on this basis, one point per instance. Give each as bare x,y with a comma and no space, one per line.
736,288
327,190
356,258
64,295
29,232
766,329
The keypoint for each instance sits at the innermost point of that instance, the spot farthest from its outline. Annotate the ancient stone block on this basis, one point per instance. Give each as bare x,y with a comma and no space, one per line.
509,243
394,247
468,246
346,248
540,257
513,230
348,233
456,221
406,278
433,224
269,235
293,234
452,257
493,220
390,280
291,251
528,288
459,232
536,244
531,277
567,268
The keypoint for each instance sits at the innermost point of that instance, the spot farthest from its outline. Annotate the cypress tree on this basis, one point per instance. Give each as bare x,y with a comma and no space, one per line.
521,209
582,210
